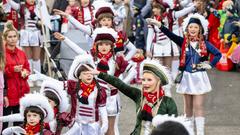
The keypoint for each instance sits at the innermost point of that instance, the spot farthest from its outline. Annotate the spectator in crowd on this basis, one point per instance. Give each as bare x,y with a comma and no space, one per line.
16,71
2,65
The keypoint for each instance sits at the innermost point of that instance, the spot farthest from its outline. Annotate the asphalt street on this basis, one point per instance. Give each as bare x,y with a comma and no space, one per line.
222,106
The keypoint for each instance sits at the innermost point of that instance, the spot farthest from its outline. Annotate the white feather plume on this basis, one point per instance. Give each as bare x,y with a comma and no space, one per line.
164,69
77,62
39,100
105,30
57,88
97,4
203,20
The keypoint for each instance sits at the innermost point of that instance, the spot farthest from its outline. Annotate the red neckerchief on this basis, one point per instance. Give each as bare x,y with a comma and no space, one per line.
138,59
30,7
120,40
55,109
105,56
87,89
152,98
202,47
81,14
32,130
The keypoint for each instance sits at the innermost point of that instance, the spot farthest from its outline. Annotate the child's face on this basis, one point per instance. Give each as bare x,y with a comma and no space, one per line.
52,103
86,77
156,11
12,38
150,82
193,29
33,118
31,2
104,48
107,22
117,1
85,3
71,2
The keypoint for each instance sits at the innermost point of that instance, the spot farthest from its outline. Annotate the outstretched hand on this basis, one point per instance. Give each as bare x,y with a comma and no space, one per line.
59,36
92,70
153,22
60,12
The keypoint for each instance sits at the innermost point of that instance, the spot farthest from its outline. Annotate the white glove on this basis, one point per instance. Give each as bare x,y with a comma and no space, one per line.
14,130
151,21
204,65
104,118
74,129
12,118
40,76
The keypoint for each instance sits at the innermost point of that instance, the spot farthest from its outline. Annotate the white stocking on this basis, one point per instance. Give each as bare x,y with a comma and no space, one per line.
200,121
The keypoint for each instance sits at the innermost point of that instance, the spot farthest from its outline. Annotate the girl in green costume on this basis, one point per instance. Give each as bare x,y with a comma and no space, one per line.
150,100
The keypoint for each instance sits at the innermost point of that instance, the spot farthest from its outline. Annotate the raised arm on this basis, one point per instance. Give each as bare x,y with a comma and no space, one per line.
70,43
175,38
87,29
150,37
13,4
131,92
131,49
184,11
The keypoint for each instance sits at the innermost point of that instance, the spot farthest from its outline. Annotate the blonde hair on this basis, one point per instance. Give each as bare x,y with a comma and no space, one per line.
2,56
7,28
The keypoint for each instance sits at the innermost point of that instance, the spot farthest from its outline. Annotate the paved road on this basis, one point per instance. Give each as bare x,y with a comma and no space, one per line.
222,106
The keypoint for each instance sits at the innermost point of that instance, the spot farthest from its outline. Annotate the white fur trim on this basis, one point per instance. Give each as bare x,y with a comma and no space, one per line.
170,3
57,88
164,69
97,4
203,20
77,62
38,100
104,30
159,119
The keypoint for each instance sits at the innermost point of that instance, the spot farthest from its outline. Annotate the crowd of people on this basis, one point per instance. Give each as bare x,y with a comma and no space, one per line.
140,48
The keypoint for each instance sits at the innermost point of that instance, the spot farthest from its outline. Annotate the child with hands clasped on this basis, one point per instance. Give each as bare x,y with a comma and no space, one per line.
194,82
30,34
16,72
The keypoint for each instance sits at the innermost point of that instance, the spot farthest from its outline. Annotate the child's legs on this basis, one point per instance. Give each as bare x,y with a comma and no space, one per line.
188,105
198,101
111,123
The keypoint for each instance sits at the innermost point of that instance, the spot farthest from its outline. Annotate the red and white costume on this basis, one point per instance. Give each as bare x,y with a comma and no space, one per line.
113,101
12,13
88,101
83,14
30,34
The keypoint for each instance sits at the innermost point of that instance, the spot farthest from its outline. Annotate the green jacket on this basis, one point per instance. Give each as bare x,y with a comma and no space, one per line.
167,105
